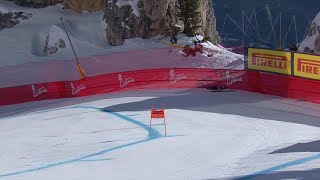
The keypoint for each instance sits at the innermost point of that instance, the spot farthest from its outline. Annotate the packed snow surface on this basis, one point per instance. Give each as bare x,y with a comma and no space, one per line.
209,135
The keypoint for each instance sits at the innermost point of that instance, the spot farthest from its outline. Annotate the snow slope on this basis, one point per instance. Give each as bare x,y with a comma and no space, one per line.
24,62
210,135
25,42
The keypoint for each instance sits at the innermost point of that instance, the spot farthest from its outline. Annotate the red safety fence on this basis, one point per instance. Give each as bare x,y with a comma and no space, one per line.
253,81
132,80
285,86
143,69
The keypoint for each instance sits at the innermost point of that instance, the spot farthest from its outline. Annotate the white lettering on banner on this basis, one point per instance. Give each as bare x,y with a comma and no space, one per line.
175,78
232,80
125,82
78,89
36,92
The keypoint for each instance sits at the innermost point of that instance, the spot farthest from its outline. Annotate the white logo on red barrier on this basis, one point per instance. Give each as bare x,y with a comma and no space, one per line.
125,82
37,92
232,80
78,89
175,78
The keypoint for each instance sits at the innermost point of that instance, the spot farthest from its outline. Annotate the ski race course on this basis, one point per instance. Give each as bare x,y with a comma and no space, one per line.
55,124
210,135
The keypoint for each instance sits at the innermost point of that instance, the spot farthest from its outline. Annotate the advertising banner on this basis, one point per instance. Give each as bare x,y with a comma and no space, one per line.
269,61
307,66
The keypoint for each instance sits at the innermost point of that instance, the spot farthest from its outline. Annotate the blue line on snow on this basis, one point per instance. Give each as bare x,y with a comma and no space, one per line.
281,166
72,160
155,135
153,132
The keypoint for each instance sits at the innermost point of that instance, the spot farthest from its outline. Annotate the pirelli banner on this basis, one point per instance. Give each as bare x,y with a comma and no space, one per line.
269,60
307,66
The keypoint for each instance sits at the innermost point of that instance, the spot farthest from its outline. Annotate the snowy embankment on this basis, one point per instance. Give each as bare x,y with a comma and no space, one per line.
210,135
311,43
27,49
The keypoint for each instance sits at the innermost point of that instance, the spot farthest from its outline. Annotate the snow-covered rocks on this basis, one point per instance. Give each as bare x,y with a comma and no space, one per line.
55,40
37,3
9,19
311,44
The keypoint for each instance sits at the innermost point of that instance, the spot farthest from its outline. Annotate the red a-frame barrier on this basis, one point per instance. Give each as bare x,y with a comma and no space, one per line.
158,114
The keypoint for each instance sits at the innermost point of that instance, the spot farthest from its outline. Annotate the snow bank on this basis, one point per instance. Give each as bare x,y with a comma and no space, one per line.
4,10
22,48
132,3
8,6
311,44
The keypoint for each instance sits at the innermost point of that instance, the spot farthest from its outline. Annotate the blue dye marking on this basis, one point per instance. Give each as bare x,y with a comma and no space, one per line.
153,132
72,160
155,135
281,166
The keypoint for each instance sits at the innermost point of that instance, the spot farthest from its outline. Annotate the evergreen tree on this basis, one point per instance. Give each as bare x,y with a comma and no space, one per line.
189,13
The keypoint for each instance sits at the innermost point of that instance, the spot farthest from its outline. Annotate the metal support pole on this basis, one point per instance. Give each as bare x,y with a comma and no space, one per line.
74,52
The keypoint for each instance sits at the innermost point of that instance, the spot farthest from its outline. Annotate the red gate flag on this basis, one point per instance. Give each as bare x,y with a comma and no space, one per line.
158,114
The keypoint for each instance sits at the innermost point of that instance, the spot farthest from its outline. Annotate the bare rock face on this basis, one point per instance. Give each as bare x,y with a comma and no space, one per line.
208,29
37,3
84,5
149,18
146,18
311,43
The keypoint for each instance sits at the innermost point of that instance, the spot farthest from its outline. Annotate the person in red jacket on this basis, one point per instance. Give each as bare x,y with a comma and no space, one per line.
187,51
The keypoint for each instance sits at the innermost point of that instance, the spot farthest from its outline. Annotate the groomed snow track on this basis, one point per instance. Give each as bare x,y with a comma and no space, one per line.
211,135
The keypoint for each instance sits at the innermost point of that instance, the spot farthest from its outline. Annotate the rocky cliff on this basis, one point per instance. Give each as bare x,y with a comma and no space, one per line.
311,44
36,3
74,5
137,18
84,5
149,18
209,29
